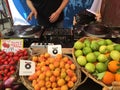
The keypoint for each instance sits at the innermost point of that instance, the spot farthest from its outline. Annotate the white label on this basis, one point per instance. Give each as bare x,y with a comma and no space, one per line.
54,49
26,67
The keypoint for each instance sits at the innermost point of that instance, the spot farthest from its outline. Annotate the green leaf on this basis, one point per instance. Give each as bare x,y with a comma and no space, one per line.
100,75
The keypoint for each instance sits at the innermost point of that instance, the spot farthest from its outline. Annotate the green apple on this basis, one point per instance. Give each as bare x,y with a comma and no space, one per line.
97,53
115,55
90,67
82,60
117,47
101,67
78,45
86,50
78,52
101,42
91,57
102,58
94,46
87,42
110,47
103,49
108,41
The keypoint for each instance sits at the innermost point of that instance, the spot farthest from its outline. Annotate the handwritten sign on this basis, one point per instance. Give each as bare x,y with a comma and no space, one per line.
11,45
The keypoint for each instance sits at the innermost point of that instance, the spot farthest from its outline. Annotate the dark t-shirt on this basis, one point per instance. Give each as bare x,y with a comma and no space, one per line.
45,8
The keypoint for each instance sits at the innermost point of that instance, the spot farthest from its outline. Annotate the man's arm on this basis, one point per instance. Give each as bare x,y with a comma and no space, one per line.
56,14
32,8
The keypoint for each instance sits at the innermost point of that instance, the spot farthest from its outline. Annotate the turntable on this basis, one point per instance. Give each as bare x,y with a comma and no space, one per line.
25,31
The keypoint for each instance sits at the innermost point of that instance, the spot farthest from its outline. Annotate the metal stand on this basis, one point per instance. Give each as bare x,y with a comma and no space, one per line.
4,15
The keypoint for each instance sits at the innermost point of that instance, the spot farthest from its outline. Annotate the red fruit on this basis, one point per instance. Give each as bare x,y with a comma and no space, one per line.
6,62
12,72
5,78
12,68
16,58
10,54
6,71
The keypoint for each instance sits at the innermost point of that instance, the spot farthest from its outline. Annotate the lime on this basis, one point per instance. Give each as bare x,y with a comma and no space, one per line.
103,49
94,46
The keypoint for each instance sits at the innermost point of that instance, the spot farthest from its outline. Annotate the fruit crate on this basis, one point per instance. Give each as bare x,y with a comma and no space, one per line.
28,84
84,70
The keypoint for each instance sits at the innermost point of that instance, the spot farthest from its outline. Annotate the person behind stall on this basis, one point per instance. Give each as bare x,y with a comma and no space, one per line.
49,13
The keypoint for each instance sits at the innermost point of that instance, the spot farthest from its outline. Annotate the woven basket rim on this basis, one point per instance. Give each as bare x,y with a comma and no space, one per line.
83,69
28,83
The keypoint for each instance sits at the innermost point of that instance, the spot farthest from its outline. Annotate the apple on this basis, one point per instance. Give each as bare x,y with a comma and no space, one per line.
91,57
78,52
81,60
115,55
90,67
102,58
101,67
78,45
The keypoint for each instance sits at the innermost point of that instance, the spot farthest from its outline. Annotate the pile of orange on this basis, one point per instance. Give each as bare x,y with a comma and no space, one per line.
53,73
112,74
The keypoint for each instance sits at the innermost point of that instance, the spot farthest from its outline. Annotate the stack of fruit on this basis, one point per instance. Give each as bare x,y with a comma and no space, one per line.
8,68
53,73
99,59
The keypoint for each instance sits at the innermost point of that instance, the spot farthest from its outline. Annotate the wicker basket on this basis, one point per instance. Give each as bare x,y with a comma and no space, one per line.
28,84
89,75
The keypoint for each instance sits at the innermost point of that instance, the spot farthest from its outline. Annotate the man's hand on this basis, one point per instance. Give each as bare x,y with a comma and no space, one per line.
54,16
32,13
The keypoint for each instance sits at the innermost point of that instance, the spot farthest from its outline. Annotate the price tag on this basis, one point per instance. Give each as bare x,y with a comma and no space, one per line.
54,49
26,67
11,45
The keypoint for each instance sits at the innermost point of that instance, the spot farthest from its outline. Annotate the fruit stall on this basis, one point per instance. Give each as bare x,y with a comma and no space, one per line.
91,60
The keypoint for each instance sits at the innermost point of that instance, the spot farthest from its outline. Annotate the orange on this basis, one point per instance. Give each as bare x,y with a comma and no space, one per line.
65,59
47,55
70,84
34,58
48,84
43,88
42,76
52,78
48,73
54,85
36,87
72,66
60,82
56,64
64,87
51,66
41,83
117,77
74,78
108,78
113,66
